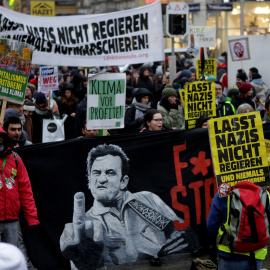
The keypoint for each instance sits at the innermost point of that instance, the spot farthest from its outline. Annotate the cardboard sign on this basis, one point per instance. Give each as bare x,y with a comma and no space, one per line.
15,55
210,67
182,96
2,48
204,36
48,79
238,151
106,101
239,49
12,85
199,100
26,53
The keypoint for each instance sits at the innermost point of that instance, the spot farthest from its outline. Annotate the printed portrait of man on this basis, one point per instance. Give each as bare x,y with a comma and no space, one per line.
121,226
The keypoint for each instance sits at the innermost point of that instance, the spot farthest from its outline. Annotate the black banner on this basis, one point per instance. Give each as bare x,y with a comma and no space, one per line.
175,165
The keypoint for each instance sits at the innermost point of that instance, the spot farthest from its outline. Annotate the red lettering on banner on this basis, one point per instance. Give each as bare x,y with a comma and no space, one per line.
207,189
180,188
196,186
201,165
47,80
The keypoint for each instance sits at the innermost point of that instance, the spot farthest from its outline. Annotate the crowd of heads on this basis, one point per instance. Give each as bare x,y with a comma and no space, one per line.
147,89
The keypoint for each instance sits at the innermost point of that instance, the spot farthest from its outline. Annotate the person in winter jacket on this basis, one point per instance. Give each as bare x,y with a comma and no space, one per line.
144,80
28,109
185,74
68,106
202,122
43,110
13,127
227,260
246,95
172,113
15,191
77,83
259,86
224,106
222,73
135,112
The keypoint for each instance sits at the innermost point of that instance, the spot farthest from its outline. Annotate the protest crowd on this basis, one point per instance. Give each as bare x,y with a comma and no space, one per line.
152,104
180,131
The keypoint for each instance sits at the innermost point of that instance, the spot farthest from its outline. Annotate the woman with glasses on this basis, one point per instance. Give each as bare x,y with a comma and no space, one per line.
152,121
172,113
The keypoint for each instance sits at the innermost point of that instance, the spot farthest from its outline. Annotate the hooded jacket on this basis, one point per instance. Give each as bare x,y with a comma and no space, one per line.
133,123
15,187
144,82
260,88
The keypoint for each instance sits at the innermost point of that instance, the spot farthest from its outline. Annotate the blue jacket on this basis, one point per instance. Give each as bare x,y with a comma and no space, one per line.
218,215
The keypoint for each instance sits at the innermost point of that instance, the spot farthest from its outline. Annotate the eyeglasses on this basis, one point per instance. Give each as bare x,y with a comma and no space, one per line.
157,120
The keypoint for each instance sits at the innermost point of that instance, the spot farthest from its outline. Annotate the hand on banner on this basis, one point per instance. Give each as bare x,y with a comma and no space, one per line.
85,229
82,237
175,243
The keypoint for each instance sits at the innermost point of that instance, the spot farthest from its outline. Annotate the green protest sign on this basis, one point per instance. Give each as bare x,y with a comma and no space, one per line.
12,85
106,101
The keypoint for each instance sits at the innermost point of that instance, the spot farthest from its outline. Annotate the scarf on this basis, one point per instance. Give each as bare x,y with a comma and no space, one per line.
141,109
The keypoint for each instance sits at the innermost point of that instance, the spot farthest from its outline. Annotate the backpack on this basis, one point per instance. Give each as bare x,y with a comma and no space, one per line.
248,219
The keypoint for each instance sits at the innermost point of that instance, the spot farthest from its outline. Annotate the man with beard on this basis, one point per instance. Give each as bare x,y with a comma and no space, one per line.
13,127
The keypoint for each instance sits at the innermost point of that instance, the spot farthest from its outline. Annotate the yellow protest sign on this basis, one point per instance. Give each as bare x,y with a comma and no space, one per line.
267,145
2,48
238,150
13,53
182,96
42,8
199,100
26,53
210,67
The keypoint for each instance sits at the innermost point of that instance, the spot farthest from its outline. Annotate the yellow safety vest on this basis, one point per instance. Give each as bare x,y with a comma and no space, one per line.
260,254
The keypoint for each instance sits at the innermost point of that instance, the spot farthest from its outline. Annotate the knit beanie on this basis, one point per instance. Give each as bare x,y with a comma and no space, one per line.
183,81
211,78
40,98
31,86
233,90
159,73
11,258
68,86
29,106
168,91
244,88
242,76
10,112
220,60
185,74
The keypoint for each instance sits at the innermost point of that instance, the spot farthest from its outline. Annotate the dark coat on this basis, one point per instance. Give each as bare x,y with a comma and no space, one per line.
144,82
